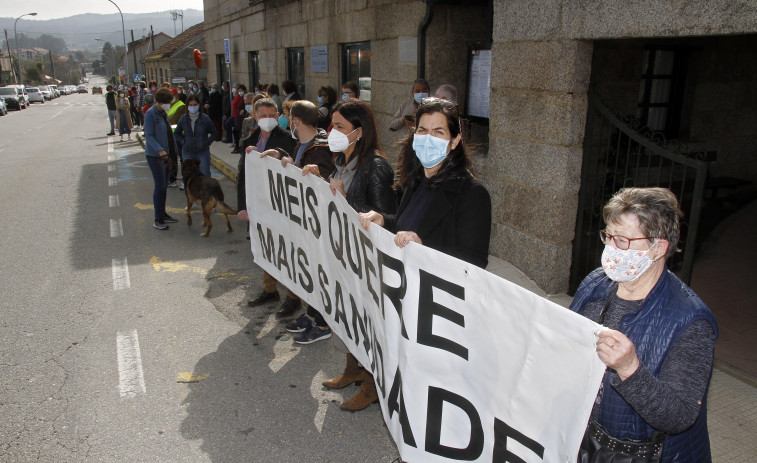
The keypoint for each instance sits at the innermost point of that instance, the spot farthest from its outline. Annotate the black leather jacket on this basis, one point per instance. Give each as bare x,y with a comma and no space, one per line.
371,188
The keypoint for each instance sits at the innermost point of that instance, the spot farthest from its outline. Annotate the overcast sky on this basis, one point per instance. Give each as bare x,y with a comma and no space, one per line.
52,9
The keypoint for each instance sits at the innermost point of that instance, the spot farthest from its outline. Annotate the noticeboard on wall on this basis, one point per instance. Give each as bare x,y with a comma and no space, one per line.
479,81
319,58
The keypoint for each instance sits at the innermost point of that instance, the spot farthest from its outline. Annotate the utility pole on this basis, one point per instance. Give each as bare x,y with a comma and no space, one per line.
175,14
10,57
52,65
134,51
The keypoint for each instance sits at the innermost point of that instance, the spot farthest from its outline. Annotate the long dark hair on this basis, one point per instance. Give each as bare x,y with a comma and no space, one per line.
359,114
455,165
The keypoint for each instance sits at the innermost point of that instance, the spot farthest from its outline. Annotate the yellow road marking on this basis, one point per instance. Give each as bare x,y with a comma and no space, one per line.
160,265
173,210
190,377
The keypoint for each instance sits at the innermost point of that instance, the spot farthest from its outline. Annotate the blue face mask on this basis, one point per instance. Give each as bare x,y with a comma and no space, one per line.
418,97
248,108
320,100
345,96
283,122
431,151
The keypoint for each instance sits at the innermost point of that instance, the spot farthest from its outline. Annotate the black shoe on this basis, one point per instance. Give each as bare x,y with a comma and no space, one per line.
109,134
160,225
263,298
236,151
289,307
168,219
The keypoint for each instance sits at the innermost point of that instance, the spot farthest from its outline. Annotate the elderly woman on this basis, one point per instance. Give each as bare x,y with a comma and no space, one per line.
659,341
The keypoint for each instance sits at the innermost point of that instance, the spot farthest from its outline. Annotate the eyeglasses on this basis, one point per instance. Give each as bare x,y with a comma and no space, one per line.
446,104
621,242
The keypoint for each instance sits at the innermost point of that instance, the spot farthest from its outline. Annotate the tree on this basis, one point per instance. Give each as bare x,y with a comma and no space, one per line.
33,74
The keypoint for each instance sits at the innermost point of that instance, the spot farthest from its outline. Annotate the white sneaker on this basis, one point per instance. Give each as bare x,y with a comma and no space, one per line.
170,185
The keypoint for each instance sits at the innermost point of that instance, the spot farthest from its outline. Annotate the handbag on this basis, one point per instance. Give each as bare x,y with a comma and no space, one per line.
598,446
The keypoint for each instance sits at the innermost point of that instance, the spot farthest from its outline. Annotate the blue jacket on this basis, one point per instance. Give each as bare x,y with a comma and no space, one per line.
195,141
156,136
668,310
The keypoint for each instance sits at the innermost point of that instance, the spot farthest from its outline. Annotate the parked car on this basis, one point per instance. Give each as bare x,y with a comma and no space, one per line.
35,94
83,88
3,107
13,99
98,90
46,93
54,90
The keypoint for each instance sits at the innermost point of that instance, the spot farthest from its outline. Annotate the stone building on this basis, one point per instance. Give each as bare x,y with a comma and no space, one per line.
580,96
173,62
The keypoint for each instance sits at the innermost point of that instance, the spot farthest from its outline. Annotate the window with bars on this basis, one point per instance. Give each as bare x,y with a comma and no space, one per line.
661,89
296,68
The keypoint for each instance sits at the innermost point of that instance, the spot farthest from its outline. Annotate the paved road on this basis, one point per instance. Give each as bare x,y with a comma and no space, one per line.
119,342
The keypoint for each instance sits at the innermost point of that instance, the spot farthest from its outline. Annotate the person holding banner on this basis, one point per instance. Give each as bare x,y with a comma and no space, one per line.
267,136
658,343
442,206
312,149
364,178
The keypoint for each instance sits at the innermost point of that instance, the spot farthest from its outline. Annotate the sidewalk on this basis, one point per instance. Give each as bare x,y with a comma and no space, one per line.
732,399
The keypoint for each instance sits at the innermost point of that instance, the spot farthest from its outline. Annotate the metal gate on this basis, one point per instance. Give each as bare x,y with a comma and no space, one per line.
619,152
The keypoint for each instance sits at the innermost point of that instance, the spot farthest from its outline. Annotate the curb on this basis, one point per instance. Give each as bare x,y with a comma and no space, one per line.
224,167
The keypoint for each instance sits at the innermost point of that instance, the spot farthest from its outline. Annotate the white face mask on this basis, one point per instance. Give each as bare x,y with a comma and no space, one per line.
193,109
339,142
166,106
625,265
267,124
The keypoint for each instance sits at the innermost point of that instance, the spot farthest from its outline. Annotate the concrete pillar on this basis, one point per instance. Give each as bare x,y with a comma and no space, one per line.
533,166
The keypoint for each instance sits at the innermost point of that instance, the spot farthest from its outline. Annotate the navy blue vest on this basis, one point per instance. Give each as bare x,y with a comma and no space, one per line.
669,309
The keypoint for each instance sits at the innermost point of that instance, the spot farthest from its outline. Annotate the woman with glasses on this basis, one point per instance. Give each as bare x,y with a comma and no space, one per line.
657,342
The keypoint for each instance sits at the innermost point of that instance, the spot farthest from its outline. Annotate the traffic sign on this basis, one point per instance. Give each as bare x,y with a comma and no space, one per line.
227,51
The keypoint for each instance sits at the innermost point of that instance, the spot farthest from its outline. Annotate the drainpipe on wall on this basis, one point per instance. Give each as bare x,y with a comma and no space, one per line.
422,27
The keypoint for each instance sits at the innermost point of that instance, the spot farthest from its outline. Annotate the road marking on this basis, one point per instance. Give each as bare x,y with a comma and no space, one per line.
270,324
116,228
110,147
160,265
120,271
284,350
111,158
113,201
111,168
58,113
112,181
190,377
174,210
131,378
322,397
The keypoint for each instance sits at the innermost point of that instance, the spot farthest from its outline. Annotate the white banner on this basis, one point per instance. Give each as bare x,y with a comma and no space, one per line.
468,366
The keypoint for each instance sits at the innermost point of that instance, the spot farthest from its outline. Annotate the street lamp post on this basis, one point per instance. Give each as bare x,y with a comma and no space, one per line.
112,58
123,27
18,56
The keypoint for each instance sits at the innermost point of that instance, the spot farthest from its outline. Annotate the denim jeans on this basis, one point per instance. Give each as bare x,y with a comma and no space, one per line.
228,126
160,177
204,159
112,117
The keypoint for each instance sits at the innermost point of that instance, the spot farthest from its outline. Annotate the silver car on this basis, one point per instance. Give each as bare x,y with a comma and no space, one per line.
46,92
35,94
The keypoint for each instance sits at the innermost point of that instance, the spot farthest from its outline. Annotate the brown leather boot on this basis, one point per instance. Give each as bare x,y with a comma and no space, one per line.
365,397
352,372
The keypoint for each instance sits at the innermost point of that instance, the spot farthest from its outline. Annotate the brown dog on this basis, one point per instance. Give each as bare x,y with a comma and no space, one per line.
204,190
